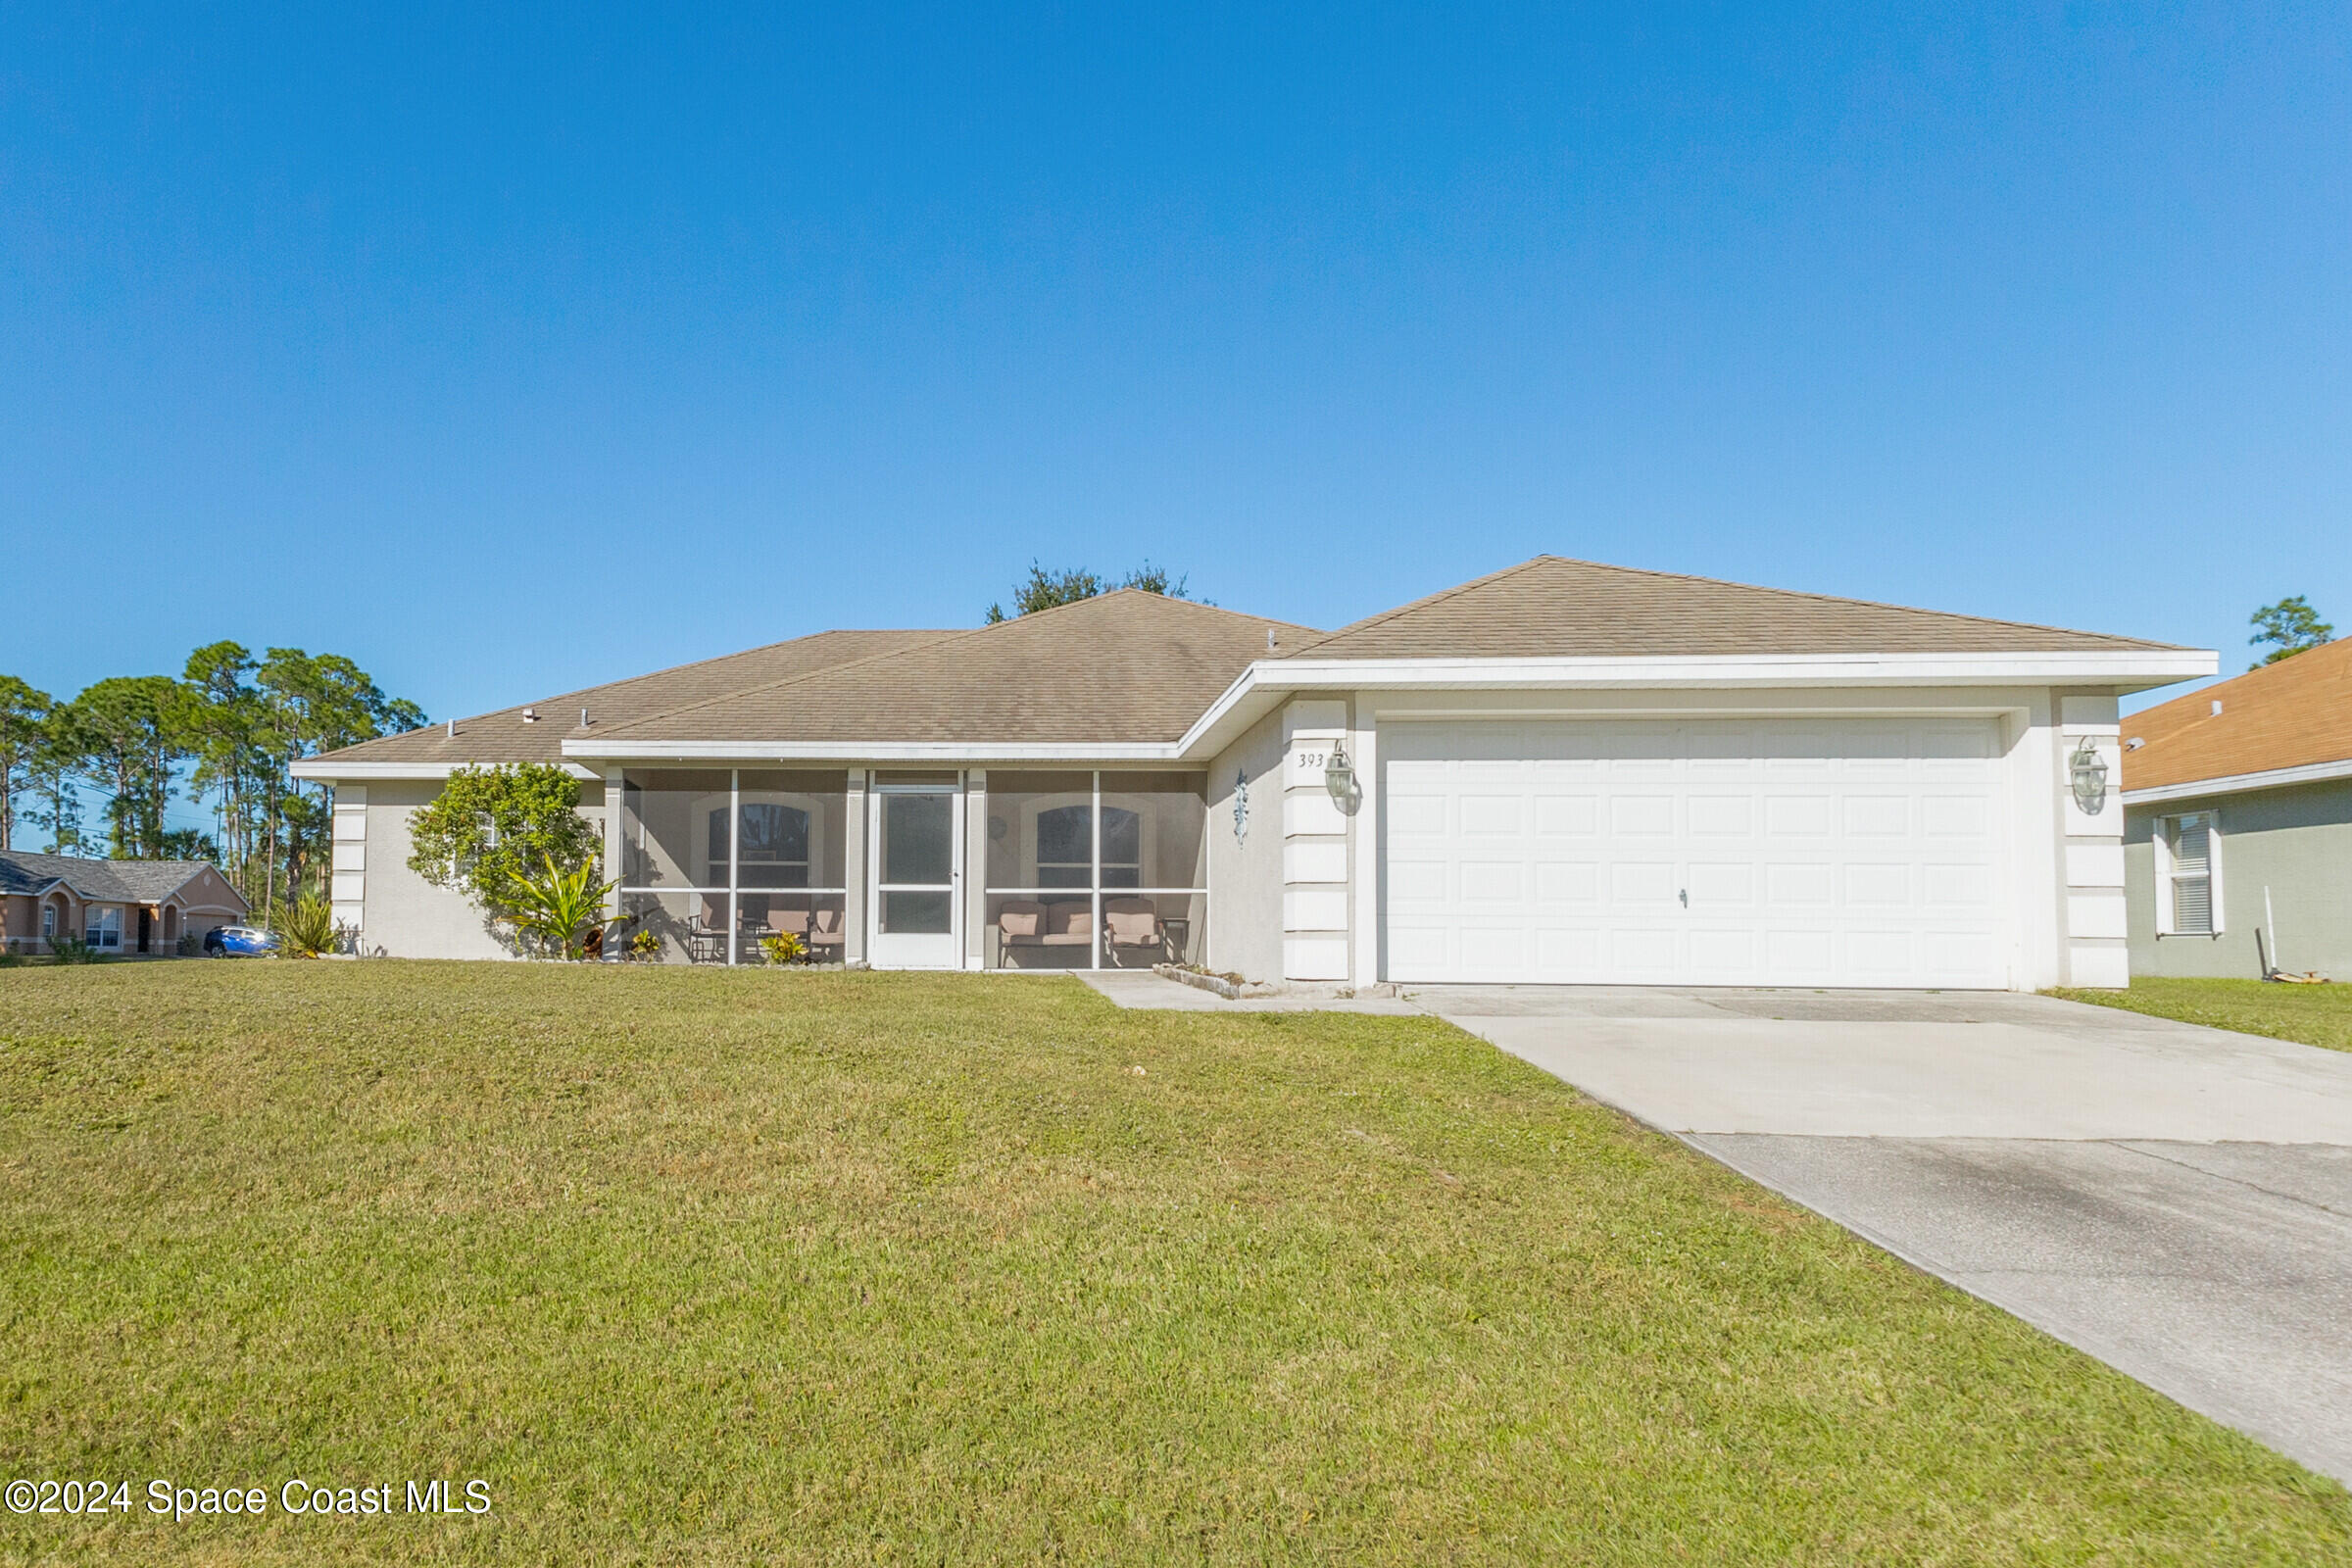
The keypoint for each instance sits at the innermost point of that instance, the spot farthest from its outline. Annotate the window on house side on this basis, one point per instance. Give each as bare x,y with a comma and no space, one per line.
2191,841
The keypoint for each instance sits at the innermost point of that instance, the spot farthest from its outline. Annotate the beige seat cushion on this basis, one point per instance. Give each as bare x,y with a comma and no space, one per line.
1070,924
1022,921
1133,923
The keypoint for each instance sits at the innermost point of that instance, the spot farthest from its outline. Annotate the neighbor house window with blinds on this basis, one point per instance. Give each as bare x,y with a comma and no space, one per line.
2189,878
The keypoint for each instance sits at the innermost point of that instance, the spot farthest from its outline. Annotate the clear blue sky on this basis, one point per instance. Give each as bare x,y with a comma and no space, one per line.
510,353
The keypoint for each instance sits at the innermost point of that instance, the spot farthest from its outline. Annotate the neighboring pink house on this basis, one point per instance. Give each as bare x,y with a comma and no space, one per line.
122,906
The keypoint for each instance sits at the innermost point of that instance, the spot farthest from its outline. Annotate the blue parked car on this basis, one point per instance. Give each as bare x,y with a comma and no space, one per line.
239,942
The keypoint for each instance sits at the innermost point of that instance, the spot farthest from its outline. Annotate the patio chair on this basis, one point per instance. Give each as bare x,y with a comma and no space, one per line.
1130,925
707,932
826,935
1021,926
705,943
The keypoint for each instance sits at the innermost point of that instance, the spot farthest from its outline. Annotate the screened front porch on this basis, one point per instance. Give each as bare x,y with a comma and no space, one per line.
998,870
714,861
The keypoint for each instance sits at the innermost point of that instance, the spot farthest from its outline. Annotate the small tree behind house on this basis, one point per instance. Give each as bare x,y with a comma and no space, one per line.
1043,590
2292,625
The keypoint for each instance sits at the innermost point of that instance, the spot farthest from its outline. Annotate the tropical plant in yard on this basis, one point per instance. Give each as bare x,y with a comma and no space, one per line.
306,927
556,907
783,947
644,945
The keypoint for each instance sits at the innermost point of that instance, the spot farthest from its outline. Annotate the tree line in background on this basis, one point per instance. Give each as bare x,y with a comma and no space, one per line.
227,733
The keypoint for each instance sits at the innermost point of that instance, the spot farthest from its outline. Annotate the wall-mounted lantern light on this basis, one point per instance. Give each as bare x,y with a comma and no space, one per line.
2087,771
1338,775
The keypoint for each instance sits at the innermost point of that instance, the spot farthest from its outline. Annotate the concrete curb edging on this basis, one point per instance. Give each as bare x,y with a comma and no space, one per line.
1199,982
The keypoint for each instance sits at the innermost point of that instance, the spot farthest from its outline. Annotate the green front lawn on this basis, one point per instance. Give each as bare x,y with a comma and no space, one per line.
714,1267
2316,1015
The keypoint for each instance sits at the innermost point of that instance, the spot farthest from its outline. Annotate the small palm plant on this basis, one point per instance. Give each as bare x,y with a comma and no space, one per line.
556,907
306,928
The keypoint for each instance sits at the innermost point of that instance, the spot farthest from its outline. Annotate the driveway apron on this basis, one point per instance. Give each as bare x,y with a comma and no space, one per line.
2173,1199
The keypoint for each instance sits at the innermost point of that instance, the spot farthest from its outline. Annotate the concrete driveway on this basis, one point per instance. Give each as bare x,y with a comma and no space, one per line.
2173,1199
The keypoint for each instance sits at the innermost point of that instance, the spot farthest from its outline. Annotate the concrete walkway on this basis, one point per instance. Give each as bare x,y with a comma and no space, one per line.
2173,1199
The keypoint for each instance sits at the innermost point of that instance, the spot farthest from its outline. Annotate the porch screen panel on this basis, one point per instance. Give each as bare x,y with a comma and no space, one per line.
1087,870
1171,813
716,860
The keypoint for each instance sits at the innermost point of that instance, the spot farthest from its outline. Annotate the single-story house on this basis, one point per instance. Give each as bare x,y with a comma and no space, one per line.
115,906
2237,819
1561,772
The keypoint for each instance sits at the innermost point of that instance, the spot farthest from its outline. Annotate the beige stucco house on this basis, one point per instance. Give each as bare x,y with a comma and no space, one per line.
117,906
1563,772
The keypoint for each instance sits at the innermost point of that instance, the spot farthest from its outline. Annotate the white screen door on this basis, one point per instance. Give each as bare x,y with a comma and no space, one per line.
917,835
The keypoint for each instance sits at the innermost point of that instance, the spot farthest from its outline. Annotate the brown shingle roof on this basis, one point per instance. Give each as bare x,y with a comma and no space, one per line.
1126,668
1552,606
107,881
503,736
2293,714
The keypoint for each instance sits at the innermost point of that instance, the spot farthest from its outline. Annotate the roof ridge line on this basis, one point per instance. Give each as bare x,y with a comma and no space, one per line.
1165,599
672,669
1844,599
953,636
1438,598
958,635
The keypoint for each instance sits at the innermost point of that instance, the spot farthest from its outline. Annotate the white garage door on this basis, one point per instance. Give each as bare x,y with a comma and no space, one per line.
1769,851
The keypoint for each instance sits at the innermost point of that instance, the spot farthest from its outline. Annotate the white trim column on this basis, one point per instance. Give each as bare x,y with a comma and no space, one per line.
734,860
1314,846
616,839
2098,949
975,868
347,876
857,872
1364,869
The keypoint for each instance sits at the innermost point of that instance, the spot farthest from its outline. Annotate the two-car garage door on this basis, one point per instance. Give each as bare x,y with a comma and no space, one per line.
1769,851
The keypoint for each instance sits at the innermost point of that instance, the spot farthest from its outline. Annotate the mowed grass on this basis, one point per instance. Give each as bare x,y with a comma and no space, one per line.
2316,1016
711,1268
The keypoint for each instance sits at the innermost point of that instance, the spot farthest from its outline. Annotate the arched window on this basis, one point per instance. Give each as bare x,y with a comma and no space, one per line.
1065,848
775,846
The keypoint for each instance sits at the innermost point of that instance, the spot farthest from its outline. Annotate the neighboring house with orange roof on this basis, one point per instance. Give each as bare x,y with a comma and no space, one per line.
2239,818
1563,772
